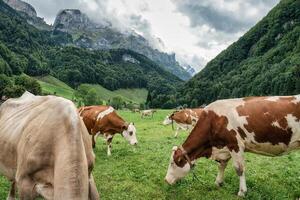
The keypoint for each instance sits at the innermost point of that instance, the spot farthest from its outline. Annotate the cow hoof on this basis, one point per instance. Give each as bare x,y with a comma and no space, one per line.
218,184
241,194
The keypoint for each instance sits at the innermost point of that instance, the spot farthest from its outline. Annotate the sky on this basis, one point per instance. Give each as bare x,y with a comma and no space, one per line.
195,30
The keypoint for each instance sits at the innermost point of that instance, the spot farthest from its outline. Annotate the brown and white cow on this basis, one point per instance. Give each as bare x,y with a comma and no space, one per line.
45,149
228,128
147,113
105,121
184,119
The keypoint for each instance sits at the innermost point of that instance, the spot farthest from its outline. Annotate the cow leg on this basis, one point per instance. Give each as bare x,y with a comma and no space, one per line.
12,191
93,141
108,142
239,165
45,190
176,132
26,189
220,177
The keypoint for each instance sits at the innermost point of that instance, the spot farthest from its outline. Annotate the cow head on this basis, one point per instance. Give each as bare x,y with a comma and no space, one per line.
129,133
167,120
179,166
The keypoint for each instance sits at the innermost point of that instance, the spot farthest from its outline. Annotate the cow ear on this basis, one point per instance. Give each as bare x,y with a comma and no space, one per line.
124,127
132,123
174,148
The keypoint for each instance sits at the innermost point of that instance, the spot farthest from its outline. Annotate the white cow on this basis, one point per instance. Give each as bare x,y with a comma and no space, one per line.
45,149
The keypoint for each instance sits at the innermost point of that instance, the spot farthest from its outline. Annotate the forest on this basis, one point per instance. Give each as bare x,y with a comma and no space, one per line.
265,61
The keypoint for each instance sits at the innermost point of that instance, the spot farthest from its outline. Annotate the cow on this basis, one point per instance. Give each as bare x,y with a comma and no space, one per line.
105,121
149,113
45,150
136,110
227,128
184,119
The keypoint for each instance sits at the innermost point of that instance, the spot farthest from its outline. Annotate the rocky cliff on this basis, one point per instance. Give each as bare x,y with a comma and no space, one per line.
88,34
29,13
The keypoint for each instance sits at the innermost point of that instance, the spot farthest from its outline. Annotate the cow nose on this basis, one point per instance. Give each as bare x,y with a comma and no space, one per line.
135,144
167,181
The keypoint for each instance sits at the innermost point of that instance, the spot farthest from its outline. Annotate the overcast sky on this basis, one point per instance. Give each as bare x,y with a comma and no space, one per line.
196,30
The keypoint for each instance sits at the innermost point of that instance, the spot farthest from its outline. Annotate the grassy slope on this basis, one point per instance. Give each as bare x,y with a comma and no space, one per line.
134,95
138,173
50,85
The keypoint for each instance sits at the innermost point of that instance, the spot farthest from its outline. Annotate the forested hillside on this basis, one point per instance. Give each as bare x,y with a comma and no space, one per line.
25,49
265,61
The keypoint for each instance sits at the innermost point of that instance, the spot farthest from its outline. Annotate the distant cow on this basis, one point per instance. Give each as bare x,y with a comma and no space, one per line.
148,113
45,149
184,119
105,121
228,128
136,110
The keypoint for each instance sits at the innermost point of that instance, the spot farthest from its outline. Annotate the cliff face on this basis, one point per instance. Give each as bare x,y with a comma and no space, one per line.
72,20
21,6
88,34
28,12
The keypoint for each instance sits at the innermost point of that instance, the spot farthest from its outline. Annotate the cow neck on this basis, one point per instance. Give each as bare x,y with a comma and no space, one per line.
197,144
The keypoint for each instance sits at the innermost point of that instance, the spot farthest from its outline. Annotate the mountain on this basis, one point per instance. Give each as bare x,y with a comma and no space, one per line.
29,13
265,61
26,49
88,34
97,36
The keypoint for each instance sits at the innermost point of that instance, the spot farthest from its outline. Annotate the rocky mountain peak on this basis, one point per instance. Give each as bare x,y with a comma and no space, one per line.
69,20
22,7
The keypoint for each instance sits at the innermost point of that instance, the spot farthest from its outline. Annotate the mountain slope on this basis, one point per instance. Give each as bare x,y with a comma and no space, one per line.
25,49
265,61
88,34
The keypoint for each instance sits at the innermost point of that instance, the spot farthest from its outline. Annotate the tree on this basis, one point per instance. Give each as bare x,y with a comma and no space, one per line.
117,102
5,82
29,84
91,98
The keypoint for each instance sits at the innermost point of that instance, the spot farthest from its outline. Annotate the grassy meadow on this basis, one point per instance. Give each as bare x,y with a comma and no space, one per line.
138,173
51,85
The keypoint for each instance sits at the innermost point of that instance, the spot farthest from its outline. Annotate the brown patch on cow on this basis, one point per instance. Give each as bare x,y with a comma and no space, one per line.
262,113
184,116
210,131
242,133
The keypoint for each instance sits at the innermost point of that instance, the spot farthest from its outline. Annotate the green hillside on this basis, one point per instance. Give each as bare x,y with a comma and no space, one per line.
265,61
51,85
130,95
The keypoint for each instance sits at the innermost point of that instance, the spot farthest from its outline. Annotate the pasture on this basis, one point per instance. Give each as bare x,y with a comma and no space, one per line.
51,85
138,173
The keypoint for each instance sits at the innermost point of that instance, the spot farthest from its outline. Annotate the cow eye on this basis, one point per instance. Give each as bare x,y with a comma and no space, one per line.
130,133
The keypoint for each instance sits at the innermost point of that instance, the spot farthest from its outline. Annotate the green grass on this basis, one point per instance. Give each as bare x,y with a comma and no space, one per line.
51,85
134,95
138,173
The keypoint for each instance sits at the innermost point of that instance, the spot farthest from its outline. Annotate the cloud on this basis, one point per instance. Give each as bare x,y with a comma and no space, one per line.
229,16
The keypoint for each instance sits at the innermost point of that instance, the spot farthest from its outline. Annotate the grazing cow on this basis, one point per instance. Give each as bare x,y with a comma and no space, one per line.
145,113
105,121
135,110
45,149
228,128
184,119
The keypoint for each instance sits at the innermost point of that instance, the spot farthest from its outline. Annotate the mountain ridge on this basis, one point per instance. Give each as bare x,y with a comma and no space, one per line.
26,49
88,34
264,61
